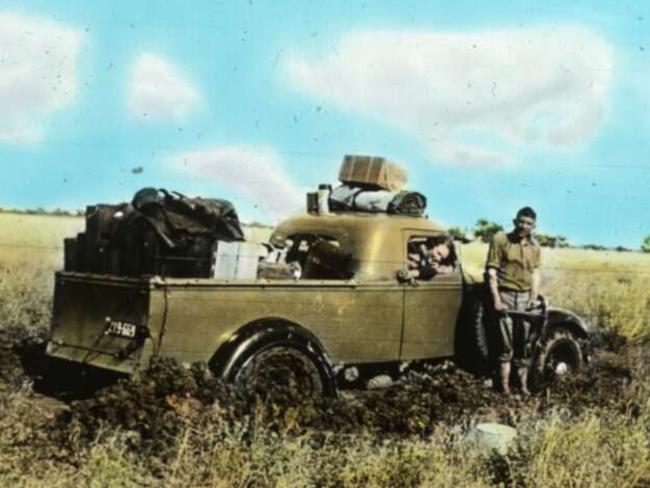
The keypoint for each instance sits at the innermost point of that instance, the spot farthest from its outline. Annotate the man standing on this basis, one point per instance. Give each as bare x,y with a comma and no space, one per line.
513,275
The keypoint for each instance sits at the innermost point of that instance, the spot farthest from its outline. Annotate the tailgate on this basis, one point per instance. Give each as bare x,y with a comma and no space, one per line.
104,321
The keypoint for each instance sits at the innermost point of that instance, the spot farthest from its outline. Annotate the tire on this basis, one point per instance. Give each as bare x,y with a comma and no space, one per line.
278,369
473,343
558,353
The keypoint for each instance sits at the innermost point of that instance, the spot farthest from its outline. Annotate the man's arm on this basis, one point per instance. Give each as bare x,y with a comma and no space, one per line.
494,289
493,262
535,279
534,288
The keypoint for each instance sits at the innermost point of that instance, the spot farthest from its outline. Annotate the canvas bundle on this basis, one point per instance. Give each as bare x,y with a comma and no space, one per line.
364,199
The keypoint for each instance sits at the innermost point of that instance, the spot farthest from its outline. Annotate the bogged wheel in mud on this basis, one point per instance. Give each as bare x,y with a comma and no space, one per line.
279,369
559,353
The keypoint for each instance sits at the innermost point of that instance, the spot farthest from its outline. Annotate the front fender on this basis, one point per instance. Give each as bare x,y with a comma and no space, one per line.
566,318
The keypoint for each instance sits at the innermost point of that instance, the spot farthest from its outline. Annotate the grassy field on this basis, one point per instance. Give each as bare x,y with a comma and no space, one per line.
608,288
591,431
31,250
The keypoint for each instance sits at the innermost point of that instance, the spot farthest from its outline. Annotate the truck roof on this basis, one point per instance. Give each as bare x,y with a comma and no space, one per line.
354,221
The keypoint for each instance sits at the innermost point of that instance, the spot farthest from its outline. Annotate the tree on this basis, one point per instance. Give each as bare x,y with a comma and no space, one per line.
458,234
645,247
546,240
485,230
594,247
562,241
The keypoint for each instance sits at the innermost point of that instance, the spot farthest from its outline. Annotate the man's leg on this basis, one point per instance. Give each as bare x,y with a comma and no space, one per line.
522,348
505,334
504,377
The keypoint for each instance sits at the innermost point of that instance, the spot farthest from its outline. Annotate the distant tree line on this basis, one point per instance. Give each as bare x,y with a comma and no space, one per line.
43,211
485,229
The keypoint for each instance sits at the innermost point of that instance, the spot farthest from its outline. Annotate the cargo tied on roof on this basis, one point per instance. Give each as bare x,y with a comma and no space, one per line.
369,184
372,171
348,198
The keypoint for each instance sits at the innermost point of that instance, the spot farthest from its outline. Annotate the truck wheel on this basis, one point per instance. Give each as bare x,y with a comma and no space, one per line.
280,369
472,343
558,353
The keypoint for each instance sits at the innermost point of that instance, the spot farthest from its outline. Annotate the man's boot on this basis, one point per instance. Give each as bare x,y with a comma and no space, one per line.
504,377
523,380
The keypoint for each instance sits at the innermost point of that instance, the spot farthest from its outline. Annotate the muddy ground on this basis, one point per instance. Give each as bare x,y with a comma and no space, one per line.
70,409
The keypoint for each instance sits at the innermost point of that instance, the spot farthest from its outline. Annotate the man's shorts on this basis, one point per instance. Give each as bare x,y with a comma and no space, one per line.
514,332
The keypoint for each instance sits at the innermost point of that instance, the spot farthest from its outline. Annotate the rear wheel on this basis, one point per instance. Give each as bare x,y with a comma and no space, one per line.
280,370
559,353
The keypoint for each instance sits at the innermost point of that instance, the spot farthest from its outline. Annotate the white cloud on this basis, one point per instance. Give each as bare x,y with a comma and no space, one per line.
505,89
158,92
38,74
258,174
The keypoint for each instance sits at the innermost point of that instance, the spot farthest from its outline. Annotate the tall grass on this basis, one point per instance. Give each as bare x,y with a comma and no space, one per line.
605,446
609,289
598,449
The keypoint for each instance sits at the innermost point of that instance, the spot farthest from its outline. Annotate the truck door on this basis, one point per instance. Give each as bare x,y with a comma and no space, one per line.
430,308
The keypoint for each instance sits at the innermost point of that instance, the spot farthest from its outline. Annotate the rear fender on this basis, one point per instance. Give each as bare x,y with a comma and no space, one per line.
248,339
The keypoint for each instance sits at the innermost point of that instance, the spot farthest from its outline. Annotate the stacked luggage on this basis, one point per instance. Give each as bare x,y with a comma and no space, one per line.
158,233
374,184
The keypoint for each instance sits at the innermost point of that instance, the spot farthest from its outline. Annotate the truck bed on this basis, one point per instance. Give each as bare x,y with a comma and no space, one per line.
189,319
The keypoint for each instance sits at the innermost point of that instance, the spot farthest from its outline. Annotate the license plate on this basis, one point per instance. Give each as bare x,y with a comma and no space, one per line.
120,328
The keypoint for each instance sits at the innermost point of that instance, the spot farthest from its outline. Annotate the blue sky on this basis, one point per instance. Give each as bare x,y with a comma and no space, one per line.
488,105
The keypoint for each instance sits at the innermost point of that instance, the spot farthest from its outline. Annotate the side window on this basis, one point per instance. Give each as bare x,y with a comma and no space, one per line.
428,256
320,257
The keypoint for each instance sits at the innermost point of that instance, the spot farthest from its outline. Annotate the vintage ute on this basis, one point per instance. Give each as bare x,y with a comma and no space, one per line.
345,322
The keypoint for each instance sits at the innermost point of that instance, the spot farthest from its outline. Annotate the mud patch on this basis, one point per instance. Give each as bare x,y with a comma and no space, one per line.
152,410
21,355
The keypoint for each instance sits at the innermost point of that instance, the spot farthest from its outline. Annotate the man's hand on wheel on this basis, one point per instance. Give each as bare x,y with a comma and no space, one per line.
533,303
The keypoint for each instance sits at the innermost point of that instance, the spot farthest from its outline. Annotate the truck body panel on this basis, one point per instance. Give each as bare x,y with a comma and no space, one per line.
371,318
355,323
84,307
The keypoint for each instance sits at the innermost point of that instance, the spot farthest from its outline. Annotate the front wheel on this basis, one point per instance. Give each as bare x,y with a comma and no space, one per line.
280,370
559,353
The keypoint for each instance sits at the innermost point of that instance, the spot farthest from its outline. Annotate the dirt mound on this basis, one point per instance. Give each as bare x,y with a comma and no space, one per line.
153,409
21,353
616,369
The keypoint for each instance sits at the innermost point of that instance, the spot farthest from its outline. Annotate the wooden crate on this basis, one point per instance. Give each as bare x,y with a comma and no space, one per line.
372,170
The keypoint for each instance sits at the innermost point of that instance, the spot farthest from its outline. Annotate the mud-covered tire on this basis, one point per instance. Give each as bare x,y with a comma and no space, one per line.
473,343
557,354
280,369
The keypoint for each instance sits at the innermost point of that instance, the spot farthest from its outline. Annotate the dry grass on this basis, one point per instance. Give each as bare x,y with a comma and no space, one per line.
610,289
31,250
602,447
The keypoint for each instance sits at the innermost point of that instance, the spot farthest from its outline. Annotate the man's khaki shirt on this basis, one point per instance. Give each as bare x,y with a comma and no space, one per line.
514,259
